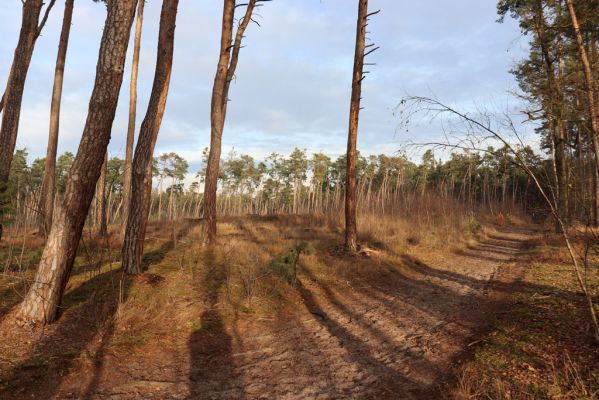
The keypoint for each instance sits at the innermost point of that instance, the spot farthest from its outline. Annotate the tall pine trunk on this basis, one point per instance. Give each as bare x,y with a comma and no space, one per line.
554,103
132,115
225,71
44,296
141,182
590,86
351,232
46,205
217,122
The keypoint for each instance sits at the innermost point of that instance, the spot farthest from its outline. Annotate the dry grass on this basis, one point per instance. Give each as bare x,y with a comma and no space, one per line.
540,346
251,274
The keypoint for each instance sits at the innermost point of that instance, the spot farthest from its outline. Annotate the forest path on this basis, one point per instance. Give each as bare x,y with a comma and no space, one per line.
396,338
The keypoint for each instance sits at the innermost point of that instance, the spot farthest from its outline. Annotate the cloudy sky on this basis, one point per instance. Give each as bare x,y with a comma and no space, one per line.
294,77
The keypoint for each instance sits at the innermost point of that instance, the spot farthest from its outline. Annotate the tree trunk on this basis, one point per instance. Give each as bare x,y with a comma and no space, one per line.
141,182
225,71
217,121
46,205
553,100
351,234
101,196
590,85
170,201
132,115
13,95
160,197
44,296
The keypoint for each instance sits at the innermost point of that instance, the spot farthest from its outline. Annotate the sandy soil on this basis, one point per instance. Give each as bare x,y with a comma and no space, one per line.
397,338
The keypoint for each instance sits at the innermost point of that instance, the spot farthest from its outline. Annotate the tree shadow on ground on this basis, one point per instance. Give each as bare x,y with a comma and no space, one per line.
474,283
389,382
88,312
212,368
157,256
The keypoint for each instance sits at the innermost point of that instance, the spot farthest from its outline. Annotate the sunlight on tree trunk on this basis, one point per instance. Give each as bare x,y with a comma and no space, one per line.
46,205
351,231
132,115
141,182
590,89
225,71
15,86
44,296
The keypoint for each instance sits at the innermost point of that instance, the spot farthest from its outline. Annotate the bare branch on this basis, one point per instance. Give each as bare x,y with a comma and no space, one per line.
45,18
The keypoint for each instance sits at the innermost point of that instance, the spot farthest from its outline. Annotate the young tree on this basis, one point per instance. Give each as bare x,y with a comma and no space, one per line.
141,182
46,205
43,298
132,113
227,63
30,30
351,233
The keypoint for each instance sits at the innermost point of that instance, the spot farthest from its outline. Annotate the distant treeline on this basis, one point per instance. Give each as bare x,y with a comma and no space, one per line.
297,183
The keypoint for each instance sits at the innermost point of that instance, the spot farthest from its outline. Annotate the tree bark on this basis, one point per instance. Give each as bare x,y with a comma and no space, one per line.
227,63
590,85
554,100
15,86
351,232
101,196
141,182
46,205
44,296
132,115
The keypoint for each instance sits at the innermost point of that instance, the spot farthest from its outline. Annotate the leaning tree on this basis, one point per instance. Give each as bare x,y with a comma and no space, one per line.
44,296
31,28
141,182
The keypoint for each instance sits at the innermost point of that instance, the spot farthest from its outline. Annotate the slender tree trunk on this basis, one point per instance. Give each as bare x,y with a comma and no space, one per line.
160,197
13,95
141,182
132,114
217,121
170,201
46,205
351,233
225,71
44,296
590,85
101,196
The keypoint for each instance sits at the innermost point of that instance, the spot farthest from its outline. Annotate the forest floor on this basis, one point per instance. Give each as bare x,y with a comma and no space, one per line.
405,319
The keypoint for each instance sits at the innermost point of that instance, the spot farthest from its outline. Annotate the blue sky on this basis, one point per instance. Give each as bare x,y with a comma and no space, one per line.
294,76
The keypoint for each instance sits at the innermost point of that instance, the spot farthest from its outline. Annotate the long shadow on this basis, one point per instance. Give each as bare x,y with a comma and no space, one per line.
89,310
390,384
492,248
212,371
479,254
506,287
157,256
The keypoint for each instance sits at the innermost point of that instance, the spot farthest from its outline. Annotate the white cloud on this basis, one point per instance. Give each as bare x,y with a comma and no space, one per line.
294,75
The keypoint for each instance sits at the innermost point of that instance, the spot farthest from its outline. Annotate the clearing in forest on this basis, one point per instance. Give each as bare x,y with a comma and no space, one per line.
253,320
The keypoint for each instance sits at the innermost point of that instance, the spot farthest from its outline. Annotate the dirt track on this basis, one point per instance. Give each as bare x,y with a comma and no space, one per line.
396,339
